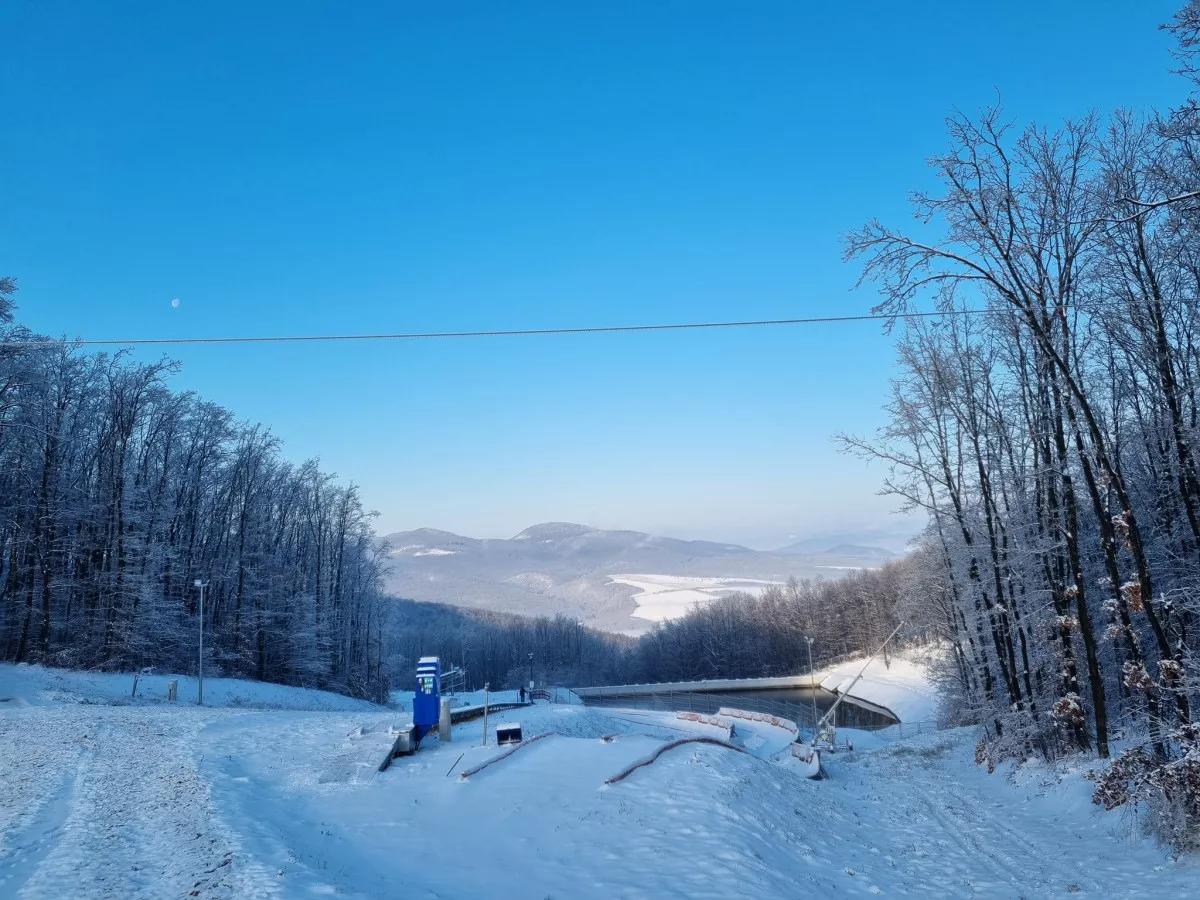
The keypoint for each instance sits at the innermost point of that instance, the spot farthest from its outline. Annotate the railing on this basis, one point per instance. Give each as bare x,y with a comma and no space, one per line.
908,729
849,714
766,682
539,694
469,713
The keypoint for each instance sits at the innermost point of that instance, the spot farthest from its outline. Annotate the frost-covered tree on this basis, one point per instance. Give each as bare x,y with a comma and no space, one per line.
1047,421
117,494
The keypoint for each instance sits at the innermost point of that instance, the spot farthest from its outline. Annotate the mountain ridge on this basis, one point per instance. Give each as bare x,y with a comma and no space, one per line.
567,568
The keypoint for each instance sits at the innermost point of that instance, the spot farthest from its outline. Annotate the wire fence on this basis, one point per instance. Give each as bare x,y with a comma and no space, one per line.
907,730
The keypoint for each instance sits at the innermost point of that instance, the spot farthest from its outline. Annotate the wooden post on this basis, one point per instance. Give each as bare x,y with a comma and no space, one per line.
172,689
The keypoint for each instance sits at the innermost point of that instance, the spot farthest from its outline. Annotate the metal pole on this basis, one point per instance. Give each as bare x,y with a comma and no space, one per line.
200,694
843,694
485,707
812,690
531,673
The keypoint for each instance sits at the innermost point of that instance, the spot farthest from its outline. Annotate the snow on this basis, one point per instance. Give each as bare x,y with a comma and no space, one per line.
901,686
435,551
39,686
665,597
152,799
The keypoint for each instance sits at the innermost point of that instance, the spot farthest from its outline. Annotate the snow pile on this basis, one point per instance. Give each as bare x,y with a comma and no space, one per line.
901,686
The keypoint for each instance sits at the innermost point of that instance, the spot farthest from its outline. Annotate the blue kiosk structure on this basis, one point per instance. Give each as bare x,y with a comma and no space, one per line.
427,699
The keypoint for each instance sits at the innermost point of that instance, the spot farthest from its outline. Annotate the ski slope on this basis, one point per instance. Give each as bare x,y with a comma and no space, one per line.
105,798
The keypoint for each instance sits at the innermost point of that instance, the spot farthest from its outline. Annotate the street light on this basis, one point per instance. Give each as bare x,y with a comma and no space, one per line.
531,674
809,640
202,585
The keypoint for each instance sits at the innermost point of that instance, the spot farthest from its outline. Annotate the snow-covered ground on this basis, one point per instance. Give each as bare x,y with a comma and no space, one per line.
40,686
663,597
105,798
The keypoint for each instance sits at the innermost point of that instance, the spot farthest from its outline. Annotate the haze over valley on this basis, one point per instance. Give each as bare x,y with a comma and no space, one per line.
620,581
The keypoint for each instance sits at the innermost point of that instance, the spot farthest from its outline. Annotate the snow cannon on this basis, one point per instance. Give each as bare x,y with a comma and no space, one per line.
427,699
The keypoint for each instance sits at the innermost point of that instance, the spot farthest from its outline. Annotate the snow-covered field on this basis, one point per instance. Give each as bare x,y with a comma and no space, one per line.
105,798
663,597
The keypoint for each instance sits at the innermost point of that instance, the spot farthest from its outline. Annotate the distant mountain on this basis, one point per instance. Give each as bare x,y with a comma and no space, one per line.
854,550
563,567
553,531
854,545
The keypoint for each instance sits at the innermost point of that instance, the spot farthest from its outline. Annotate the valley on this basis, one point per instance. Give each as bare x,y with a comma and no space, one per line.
620,581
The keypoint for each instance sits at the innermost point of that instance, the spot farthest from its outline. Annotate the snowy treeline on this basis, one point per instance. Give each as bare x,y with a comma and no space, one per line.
116,494
494,647
1053,439
737,636
745,636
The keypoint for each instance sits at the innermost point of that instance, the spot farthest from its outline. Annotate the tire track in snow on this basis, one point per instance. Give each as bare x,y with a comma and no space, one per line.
23,850
963,842
139,822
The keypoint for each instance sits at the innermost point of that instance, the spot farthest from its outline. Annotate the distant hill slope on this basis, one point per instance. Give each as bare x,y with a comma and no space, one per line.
563,567
837,545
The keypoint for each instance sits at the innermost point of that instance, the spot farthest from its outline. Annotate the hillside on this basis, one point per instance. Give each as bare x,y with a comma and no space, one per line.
841,545
278,794
562,567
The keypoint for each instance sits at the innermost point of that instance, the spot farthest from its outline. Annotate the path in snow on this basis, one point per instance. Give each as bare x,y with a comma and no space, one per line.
111,804
161,800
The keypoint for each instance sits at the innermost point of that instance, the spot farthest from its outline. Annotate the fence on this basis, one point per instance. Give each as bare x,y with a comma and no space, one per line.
849,715
908,729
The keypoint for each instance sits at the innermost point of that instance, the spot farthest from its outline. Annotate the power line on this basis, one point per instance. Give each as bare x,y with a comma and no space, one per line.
513,332
533,332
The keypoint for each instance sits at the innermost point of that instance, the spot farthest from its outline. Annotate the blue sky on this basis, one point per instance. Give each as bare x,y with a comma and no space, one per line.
332,168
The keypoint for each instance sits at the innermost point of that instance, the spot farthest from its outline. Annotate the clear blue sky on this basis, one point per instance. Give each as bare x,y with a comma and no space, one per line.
309,167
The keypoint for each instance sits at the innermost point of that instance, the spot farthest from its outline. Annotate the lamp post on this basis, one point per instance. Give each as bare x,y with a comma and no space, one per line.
812,692
486,686
200,695
531,672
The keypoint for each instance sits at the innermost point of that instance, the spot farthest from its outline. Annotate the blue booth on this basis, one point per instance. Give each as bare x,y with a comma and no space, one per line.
427,699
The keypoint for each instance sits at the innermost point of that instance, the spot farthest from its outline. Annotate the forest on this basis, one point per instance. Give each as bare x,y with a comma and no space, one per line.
736,636
495,648
118,494
744,636
1045,417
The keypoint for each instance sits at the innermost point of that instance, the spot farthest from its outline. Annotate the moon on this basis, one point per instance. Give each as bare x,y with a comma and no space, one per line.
175,303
